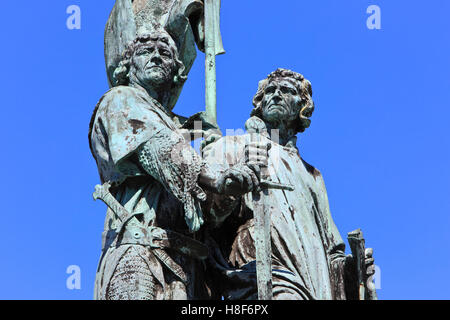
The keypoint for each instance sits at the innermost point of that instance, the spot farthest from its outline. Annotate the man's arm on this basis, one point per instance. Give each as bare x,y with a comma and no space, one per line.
176,165
334,242
343,271
231,155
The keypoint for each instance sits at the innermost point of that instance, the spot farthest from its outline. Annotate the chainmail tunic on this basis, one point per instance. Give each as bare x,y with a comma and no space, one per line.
177,167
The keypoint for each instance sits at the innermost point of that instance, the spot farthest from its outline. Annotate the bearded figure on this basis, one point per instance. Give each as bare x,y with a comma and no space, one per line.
308,253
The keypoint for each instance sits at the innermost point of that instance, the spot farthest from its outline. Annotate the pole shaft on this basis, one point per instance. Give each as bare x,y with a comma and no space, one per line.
210,63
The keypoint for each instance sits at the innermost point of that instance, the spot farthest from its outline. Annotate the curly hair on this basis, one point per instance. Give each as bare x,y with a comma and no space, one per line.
306,108
121,74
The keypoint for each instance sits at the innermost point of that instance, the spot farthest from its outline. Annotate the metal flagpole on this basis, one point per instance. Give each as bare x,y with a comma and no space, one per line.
213,47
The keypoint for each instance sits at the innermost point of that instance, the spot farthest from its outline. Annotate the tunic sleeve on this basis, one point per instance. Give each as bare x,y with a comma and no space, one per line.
124,119
335,242
129,125
176,165
221,155
336,246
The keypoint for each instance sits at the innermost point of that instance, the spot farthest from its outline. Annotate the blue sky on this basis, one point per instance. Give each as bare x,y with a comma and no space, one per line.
379,135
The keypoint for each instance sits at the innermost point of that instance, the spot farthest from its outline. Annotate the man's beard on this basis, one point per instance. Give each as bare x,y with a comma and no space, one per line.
157,78
278,112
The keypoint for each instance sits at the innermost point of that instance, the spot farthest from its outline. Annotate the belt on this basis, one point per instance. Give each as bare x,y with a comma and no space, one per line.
157,238
153,237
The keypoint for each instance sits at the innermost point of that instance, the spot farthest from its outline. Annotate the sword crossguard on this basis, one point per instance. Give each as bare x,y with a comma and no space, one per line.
274,185
101,191
268,185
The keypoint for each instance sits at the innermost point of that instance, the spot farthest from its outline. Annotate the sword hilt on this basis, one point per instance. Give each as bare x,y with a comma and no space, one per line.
275,185
357,245
101,191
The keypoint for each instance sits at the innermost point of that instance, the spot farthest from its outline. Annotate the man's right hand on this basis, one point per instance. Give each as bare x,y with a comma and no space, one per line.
239,179
245,177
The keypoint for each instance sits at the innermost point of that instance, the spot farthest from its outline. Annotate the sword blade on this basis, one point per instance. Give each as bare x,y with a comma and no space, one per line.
263,245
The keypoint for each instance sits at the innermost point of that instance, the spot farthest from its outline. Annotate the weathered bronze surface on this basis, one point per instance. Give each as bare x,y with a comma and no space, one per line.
247,219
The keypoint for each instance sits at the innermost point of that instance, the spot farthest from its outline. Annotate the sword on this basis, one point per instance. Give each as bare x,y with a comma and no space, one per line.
366,289
263,242
357,244
263,245
262,235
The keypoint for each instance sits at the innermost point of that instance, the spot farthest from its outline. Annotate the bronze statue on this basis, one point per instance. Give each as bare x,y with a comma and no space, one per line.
250,219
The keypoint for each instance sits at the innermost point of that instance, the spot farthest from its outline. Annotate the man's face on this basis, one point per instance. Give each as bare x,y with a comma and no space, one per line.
281,101
154,64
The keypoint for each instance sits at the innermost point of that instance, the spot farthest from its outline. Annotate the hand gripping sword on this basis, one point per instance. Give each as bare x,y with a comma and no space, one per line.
262,234
366,289
263,237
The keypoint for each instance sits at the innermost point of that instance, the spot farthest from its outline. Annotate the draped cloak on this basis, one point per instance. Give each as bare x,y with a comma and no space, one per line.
125,119
307,249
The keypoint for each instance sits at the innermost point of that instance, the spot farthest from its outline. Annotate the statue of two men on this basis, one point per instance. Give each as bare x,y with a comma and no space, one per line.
190,235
